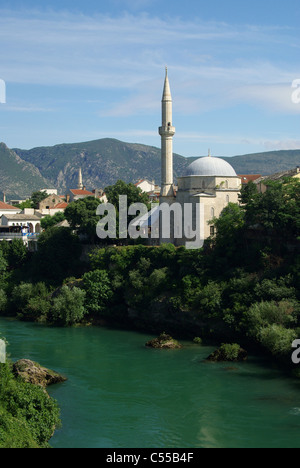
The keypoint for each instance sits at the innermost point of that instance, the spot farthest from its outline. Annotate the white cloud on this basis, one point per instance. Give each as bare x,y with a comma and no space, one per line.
128,53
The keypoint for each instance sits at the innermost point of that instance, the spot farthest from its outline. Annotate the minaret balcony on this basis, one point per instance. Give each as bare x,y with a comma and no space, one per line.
167,131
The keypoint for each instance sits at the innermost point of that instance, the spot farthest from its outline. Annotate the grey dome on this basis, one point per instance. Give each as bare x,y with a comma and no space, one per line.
210,166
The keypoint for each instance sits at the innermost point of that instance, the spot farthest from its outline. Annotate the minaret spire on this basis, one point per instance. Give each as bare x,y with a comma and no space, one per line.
167,131
80,184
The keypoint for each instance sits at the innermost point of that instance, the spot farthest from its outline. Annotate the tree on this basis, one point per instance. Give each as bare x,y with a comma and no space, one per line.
134,195
17,253
58,254
81,215
50,221
98,290
68,306
277,211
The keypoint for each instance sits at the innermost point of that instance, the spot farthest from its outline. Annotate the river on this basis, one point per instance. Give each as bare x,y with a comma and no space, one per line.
120,394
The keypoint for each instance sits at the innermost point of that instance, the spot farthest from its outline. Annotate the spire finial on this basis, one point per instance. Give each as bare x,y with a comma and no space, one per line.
209,153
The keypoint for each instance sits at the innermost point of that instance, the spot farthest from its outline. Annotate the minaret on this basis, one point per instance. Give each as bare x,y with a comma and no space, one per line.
167,131
80,184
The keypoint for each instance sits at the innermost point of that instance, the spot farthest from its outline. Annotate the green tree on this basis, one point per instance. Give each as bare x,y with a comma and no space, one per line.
28,416
134,195
58,255
17,254
277,210
68,307
81,215
25,204
50,221
98,290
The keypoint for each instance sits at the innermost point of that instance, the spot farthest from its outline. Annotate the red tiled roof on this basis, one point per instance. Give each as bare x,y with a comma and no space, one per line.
81,192
60,206
5,206
139,182
249,177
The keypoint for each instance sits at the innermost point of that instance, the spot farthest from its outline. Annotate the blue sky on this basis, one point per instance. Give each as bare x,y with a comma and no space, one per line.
78,71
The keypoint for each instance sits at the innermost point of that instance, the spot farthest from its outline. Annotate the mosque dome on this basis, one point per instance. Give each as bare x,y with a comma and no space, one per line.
210,166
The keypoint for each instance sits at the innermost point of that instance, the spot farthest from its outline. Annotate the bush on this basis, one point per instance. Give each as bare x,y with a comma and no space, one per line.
230,351
3,300
277,340
97,287
21,295
263,314
68,307
37,309
28,416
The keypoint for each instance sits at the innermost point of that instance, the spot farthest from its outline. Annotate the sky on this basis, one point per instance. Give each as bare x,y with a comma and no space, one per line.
74,71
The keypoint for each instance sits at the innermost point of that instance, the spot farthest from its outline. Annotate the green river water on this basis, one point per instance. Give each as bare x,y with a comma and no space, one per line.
120,394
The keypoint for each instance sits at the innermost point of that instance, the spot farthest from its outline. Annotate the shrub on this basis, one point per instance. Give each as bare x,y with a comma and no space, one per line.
277,340
28,416
21,295
263,314
68,307
3,300
97,287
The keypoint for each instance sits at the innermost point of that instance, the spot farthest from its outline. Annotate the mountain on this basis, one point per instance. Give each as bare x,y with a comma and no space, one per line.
265,163
105,161
18,178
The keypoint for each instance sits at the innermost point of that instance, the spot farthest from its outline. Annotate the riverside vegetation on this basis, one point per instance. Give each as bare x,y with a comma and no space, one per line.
241,287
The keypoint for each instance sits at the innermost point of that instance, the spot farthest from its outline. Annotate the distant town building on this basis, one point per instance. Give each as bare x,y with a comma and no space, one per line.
81,192
145,185
261,183
6,209
49,191
25,225
246,178
50,202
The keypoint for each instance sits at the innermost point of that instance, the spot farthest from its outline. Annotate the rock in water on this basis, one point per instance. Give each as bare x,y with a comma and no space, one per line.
164,341
228,352
33,373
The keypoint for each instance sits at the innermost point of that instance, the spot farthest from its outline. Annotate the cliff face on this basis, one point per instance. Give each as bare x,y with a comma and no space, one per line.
18,178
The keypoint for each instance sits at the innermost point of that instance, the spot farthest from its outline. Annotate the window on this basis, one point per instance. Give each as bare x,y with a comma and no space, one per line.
212,230
212,213
227,199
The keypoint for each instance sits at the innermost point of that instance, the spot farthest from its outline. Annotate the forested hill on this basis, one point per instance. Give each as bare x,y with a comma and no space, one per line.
265,163
105,161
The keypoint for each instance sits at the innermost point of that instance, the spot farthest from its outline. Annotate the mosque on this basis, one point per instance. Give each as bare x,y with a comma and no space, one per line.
205,188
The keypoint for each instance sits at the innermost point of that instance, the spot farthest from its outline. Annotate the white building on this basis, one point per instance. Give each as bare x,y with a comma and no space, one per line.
28,222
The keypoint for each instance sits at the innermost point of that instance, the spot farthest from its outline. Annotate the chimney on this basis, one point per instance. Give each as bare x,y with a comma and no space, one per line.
68,198
4,197
298,169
